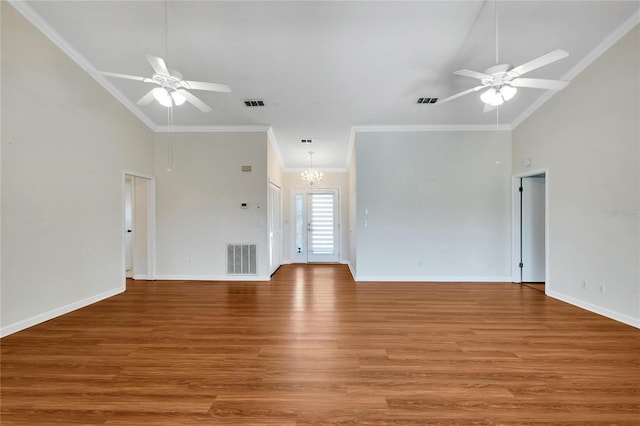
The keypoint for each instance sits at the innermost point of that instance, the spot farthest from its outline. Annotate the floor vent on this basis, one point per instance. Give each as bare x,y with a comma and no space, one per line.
241,259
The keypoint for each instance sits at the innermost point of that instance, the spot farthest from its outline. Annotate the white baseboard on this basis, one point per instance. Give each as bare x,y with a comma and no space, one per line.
37,319
143,277
213,277
352,270
617,316
417,278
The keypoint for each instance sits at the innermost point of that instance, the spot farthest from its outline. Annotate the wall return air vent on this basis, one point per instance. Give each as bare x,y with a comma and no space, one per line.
241,259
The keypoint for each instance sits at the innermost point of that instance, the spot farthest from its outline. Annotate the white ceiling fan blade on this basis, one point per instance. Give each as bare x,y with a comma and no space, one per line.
473,74
157,64
195,101
211,87
539,83
540,61
457,95
146,99
129,77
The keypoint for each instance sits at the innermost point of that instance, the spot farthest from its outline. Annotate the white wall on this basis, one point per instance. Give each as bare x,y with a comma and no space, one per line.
331,180
353,235
587,136
438,206
199,203
65,143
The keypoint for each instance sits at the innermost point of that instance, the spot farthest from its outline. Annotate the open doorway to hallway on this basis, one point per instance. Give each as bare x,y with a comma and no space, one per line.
530,230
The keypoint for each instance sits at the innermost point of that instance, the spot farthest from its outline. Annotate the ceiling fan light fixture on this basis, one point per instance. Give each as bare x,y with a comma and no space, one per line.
492,96
508,92
178,99
162,96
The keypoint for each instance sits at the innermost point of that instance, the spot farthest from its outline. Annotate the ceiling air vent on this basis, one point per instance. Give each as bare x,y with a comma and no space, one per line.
427,100
306,140
253,102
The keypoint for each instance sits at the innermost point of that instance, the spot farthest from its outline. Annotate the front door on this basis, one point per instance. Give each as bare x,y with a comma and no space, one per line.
316,226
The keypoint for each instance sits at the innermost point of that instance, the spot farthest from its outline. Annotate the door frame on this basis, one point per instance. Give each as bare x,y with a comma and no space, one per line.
273,266
515,225
338,227
151,224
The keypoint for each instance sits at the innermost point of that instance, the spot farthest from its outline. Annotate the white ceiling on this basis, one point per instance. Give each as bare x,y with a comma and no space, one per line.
323,67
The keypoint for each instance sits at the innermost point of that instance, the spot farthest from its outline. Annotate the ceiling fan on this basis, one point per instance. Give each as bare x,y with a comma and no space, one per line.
172,88
502,81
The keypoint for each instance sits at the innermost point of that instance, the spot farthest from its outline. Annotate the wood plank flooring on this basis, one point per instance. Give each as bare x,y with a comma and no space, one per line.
312,347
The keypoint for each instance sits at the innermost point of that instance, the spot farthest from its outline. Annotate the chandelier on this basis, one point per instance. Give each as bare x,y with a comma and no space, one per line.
311,176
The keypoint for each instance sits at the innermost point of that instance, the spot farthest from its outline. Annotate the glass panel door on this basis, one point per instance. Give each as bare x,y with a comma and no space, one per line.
315,226
322,230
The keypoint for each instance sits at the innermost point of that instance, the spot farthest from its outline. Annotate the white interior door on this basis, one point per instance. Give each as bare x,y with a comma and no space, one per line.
128,226
533,229
275,228
139,218
315,226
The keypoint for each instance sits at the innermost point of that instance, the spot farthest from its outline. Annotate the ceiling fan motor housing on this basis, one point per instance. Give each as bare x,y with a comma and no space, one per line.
500,75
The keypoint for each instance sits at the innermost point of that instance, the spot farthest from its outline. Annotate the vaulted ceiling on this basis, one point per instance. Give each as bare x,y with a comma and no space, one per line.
325,67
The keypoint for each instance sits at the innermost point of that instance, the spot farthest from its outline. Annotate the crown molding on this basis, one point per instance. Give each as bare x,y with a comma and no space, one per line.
36,20
320,169
249,128
430,128
605,45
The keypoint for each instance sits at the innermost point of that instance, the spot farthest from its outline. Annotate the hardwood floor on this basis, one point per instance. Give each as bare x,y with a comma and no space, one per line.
535,286
313,347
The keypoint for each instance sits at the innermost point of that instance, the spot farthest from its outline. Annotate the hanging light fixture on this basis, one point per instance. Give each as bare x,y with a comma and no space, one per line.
499,92
167,95
496,96
168,98
492,96
311,176
508,92
162,96
177,97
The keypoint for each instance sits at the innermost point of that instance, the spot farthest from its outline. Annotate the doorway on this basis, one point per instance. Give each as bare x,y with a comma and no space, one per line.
138,231
530,229
315,227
